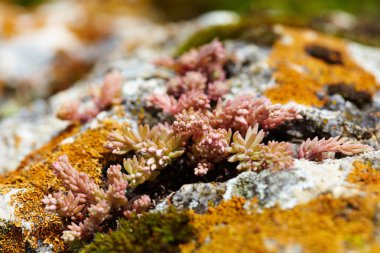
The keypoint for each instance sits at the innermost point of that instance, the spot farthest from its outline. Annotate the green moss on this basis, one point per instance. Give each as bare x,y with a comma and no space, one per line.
258,32
204,36
184,9
256,27
153,232
28,3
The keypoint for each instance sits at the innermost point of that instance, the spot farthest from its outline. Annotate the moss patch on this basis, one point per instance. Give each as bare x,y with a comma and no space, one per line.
256,31
153,232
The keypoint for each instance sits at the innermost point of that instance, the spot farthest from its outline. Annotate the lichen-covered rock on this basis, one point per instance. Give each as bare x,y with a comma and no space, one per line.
197,197
339,223
319,75
304,182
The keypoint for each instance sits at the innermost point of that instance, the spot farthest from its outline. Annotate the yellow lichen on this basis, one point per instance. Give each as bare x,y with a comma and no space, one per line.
300,77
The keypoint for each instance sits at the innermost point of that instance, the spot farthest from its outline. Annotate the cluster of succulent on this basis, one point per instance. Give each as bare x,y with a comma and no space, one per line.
206,131
109,93
200,79
86,204
209,130
205,135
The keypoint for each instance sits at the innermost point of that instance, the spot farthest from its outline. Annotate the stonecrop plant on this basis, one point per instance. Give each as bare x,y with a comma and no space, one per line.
319,150
253,155
200,77
156,147
86,204
208,60
109,93
202,127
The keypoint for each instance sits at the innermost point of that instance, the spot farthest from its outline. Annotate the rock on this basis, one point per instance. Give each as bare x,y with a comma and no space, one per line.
304,182
198,197
25,132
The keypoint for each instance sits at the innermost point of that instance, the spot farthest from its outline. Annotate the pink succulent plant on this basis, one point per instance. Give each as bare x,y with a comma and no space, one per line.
87,203
109,93
199,69
192,99
208,60
322,149
244,111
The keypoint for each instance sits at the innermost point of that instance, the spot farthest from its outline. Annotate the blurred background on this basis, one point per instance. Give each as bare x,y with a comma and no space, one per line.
47,45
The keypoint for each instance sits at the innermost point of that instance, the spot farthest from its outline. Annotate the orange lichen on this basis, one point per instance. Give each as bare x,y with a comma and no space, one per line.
11,246
300,76
8,27
364,174
325,224
35,176
366,178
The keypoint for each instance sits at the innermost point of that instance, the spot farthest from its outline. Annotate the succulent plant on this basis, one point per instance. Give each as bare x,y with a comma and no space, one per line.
138,171
247,151
158,146
246,110
208,60
87,203
109,93
278,155
210,148
319,150
253,155
192,99
190,81
192,123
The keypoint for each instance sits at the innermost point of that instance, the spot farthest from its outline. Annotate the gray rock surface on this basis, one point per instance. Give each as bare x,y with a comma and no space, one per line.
305,181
